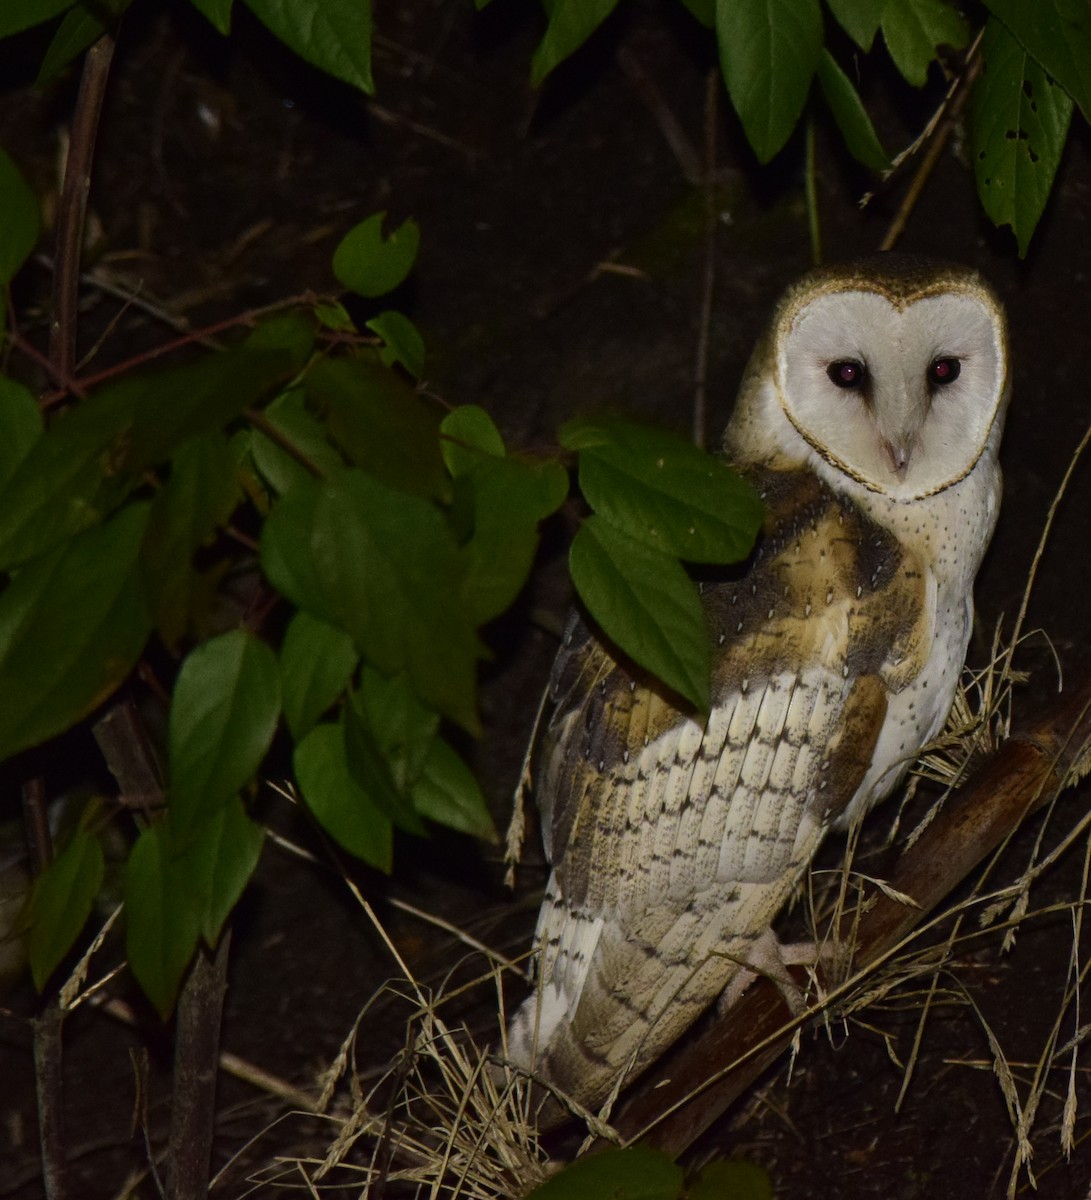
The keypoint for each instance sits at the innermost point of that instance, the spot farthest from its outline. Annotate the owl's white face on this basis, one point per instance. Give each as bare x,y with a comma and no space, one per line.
899,393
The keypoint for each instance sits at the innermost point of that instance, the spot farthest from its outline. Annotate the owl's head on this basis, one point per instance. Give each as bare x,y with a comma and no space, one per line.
893,371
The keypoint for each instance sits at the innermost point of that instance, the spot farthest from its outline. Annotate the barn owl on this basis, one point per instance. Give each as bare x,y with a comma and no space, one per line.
869,420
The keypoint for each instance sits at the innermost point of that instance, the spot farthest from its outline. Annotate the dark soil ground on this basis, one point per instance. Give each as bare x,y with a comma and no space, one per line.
562,268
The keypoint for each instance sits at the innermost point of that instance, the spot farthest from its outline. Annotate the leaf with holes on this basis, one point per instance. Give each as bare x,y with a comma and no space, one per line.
1019,122
1057,35
646,604
370,264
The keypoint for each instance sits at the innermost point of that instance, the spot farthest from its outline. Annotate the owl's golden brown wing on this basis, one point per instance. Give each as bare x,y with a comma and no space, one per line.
676,838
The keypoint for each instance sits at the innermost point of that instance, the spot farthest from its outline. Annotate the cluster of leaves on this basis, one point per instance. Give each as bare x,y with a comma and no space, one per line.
391,527
775,55
640,1173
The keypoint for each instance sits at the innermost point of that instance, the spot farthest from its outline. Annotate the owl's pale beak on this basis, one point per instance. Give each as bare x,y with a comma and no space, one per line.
899,453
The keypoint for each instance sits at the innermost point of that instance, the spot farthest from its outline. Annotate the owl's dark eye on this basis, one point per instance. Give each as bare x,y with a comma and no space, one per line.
942,371
847,373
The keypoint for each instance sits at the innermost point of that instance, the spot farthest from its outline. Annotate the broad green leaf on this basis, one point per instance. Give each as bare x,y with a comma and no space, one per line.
316,664
217,12
391,570
860,19
61,902
369,264
768,52
571,23
381,423
222,718
912,29
162,923
1018,126
468,435
851,116
632,1173
722,1179
507,498
403,727
82,26
292,332
703,10
402,342
22,14
341,806
213,871
287,550
663,490
21,425
291,417
384,566
646,604
448,793
333,315
333,35
72,625
196,500
372,769
22,220
1057,34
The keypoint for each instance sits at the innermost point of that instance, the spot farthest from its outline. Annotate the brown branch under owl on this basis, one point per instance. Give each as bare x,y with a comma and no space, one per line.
695,1085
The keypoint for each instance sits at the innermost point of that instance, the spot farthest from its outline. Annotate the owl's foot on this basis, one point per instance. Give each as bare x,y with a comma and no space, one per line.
769,957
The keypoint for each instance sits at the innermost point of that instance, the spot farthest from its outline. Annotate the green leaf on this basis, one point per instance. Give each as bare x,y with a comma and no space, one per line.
403,727
381,423
391,569
768,52
646,604
402,342
370,265
21,425
571,23
196,500
632,1173
852,118
341,806
333,35
61,902
222,718
913,29
72,625
860,19
447,792
508,497
316,664
16,15
287,553
370,766
212,873
22,220
217,12
663,490
1019,122
289,414
469,434
162,925
1057,35
733,1178
82,26
334,316
384,566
